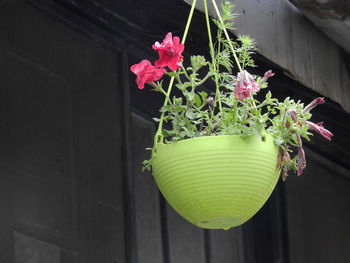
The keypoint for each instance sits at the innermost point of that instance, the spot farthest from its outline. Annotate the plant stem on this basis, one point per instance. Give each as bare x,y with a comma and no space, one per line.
186,74
259,106
226,34
178,79
203,80
283,118
159,137
212,53
236,111
165,94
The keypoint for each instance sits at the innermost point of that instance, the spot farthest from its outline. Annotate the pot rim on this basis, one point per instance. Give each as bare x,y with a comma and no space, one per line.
215,136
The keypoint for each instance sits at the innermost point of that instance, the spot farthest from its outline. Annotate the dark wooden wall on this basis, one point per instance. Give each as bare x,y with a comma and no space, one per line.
61,139
318,213
72,141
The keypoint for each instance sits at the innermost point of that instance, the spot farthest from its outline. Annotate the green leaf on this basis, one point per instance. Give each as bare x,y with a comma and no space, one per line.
197,62
278,140
171,74
191,115
165,108
197,100
178,108
183,86
189,95
204,95
268,95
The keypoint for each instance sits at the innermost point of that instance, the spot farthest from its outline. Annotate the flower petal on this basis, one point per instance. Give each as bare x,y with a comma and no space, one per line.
314,103
146,73
318,127
245,84
169,52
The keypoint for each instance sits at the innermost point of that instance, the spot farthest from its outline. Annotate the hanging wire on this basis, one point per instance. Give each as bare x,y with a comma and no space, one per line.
159,135
212,53
226,34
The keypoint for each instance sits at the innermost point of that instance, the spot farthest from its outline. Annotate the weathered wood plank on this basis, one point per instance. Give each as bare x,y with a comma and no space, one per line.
148,226
61,137
227,246
330,16
318,213
6,243
29,249
186,241
289,39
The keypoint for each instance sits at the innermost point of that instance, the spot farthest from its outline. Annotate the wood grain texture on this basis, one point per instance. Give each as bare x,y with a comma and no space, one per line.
289,39
60,141
30,250
318,213
148,225
186,241
227,246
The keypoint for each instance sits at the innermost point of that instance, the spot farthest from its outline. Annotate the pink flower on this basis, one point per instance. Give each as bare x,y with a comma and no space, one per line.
146,73
313,104
169,52
245,85
318,127
267,75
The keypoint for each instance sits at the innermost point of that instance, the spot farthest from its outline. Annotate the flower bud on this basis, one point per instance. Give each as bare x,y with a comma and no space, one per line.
210,100
313,104
267,75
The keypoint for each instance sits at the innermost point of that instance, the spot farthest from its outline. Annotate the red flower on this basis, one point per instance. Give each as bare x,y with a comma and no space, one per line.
146,73
169,52
244,85
318,127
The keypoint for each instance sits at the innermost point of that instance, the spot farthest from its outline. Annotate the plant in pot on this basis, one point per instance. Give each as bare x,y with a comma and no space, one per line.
218,151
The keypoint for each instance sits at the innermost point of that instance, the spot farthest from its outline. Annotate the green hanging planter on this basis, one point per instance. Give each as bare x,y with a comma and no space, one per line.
221,181
218,181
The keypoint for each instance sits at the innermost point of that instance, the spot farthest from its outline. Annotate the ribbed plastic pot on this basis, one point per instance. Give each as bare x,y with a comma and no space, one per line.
219,181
